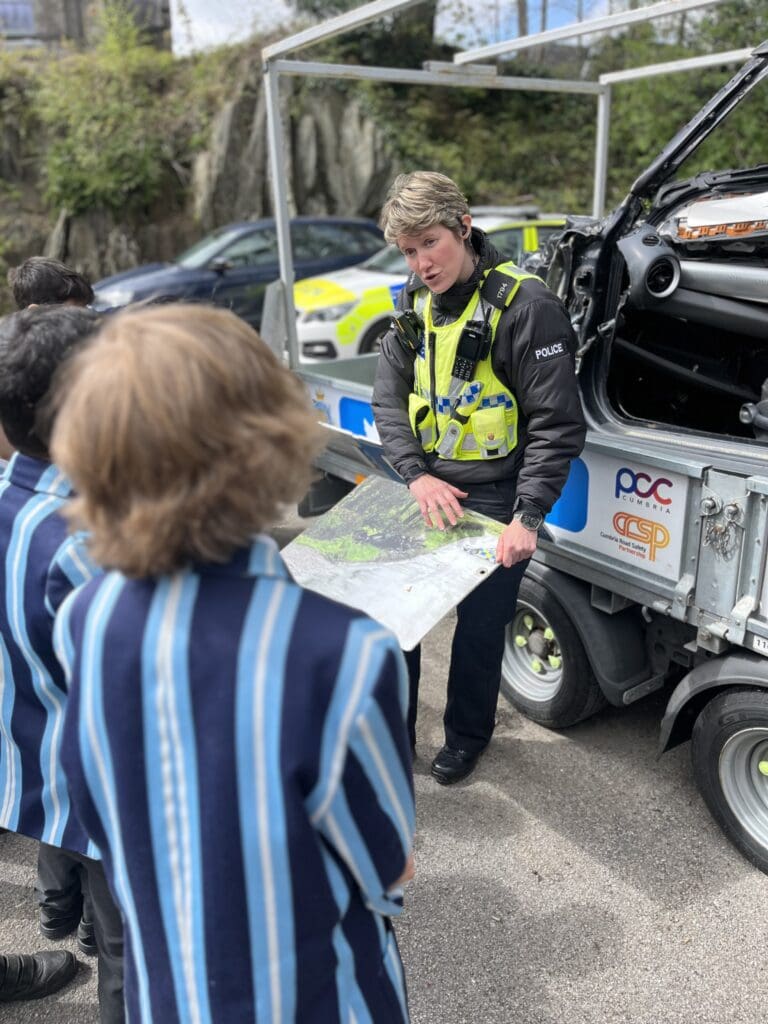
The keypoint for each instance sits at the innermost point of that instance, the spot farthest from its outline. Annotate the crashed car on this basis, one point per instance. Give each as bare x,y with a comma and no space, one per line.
669,297
656,555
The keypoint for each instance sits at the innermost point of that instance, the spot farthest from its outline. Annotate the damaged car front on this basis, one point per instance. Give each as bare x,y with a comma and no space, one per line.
668,294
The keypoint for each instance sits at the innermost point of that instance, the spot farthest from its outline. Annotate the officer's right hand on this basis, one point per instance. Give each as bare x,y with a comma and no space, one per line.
436,499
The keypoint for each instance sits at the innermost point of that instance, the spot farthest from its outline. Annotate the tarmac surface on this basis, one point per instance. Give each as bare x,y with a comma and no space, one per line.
573,879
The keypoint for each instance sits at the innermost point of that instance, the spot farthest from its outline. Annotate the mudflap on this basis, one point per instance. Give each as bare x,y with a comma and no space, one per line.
700,685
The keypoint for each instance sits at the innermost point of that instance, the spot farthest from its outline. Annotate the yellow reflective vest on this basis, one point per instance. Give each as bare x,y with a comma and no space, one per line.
457,419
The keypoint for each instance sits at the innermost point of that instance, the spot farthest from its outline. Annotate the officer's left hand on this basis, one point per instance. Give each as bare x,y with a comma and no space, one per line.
515,544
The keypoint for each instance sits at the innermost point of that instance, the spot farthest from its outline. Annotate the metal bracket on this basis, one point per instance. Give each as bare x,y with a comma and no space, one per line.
739,615
683,596
643,689
608,601
712,637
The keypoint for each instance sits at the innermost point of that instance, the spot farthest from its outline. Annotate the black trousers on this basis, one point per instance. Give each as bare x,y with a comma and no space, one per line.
73,869
478,643
59,881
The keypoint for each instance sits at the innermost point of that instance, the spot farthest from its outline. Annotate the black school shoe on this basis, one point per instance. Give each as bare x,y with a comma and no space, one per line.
86,940
57,924
453,765
35,975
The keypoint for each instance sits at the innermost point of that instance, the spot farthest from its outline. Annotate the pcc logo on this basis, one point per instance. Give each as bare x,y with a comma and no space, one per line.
642,531
642,486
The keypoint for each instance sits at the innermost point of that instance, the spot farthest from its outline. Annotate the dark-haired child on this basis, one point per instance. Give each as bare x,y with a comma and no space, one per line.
41,565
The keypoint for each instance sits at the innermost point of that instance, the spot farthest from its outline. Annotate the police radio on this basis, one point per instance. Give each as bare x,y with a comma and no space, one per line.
474,345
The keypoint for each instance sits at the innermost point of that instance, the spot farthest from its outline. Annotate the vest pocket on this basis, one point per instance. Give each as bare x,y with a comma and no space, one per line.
422,421
491,432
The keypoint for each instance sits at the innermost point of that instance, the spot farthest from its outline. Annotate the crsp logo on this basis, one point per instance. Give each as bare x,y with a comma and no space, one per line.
644,486
646,531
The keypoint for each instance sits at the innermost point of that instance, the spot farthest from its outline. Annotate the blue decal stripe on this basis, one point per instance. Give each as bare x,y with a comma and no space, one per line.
357,417
571,509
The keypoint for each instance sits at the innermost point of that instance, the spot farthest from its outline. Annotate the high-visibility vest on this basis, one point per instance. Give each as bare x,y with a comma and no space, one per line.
464,420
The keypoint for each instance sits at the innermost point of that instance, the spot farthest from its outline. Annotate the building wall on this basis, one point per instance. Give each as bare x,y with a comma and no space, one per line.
50,20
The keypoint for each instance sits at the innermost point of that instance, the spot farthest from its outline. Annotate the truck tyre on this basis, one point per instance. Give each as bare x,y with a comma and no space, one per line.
545,672
729,748
371,341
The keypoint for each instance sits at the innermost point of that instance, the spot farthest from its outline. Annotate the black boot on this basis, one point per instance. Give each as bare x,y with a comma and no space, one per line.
453,765
36,975
56,924
86,939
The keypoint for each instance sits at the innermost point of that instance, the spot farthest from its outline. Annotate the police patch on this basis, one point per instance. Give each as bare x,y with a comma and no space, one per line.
553,351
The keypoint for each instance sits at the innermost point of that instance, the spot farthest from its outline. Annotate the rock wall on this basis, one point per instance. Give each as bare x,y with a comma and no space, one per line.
338,164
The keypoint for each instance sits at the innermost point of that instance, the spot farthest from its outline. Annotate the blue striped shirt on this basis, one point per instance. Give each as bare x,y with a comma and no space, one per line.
236,746
41,564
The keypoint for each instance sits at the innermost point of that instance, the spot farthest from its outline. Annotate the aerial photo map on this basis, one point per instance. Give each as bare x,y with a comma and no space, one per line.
372,551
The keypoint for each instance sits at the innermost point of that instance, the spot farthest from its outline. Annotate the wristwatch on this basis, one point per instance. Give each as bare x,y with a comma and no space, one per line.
529,517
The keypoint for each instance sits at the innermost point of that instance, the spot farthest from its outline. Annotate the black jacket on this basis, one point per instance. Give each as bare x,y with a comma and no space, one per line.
533,354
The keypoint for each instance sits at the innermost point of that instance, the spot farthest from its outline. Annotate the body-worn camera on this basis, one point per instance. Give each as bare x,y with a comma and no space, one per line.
409,328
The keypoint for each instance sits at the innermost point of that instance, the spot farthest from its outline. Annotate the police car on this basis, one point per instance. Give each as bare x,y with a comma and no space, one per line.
345,313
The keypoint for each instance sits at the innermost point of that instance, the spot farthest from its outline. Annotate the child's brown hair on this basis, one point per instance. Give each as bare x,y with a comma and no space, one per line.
182,434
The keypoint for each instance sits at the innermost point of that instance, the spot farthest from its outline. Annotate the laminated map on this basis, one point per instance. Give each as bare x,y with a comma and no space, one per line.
373,551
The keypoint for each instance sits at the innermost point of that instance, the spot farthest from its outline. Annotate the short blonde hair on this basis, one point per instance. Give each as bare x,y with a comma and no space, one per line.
421,200
182,434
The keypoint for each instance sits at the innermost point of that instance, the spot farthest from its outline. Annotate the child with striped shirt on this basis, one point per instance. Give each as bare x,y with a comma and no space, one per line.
41,565
235,745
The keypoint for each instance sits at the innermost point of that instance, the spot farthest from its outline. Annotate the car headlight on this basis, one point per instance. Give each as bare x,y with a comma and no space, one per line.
111,297
327,313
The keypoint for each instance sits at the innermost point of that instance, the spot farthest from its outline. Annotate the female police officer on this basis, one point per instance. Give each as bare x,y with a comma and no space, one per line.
477,406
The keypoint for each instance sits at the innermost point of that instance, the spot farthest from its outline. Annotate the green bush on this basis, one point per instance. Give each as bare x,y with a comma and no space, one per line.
123,121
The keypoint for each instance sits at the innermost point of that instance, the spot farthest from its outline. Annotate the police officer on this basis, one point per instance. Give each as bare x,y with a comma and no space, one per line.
477,407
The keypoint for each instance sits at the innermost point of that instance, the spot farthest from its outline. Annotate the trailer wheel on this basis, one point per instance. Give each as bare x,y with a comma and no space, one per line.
545,672
729,748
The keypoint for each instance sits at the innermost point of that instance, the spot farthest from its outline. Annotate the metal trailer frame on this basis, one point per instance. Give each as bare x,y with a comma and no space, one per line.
463,71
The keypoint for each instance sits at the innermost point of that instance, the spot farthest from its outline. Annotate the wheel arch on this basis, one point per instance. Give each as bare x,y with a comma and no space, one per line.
614,644
741,669
372,330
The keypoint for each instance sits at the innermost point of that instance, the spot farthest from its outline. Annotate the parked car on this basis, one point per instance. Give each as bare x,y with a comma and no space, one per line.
345,314
233,265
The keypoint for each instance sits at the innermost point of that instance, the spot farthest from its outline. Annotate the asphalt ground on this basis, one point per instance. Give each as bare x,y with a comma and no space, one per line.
573,879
